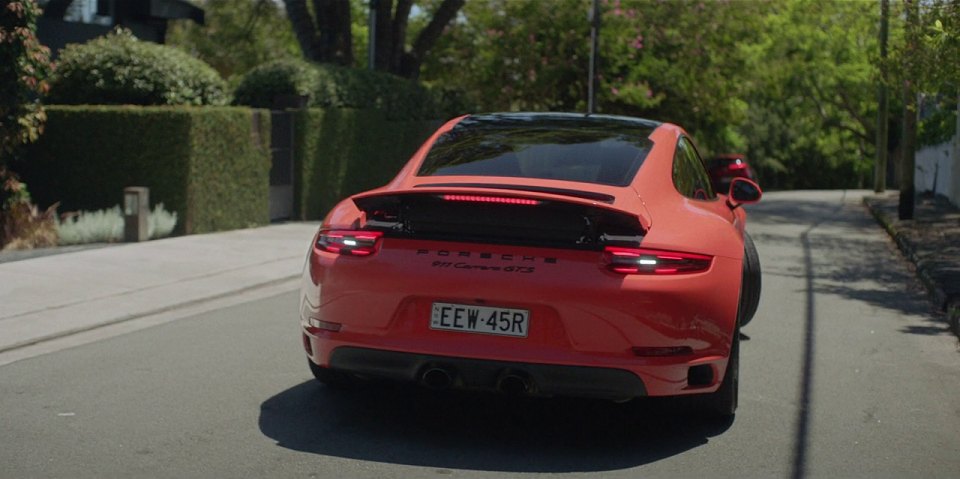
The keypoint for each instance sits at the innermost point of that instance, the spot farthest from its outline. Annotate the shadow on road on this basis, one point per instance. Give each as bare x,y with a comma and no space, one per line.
843,265
418,427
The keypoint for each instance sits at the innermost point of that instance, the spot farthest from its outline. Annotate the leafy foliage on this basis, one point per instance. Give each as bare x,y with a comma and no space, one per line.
791,83
330,86
812,95
940,70
24,66
106,226
22,225
261,85
119,69
237,35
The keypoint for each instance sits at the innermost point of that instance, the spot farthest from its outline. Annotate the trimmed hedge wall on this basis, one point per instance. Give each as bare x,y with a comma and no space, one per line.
340,152
209,164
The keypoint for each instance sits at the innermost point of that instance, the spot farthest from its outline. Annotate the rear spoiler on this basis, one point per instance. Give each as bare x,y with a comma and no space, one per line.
501,215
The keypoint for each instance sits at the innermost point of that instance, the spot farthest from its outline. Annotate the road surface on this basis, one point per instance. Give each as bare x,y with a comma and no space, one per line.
847,372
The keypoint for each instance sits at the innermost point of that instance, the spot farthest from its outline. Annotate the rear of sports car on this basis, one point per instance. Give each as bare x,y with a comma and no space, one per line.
544,280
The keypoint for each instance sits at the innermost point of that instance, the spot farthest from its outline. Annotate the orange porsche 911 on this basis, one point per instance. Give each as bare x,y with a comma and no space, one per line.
543,254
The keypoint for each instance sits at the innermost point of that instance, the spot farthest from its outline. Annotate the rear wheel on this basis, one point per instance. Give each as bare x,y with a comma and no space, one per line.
750,296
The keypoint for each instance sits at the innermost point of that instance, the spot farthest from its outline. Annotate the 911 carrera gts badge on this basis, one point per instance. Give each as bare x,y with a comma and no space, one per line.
483,267
454,260
487,256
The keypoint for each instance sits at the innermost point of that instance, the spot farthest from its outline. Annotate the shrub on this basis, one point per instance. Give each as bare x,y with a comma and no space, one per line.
331,86
106,226
118,69
24,66
22,225
262,84
209,165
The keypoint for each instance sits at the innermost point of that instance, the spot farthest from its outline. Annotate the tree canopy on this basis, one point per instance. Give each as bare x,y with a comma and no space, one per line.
791,83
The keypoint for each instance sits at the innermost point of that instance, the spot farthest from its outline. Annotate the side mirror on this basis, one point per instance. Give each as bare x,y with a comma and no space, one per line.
743,192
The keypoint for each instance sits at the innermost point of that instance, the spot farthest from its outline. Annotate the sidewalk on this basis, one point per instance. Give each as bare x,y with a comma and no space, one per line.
931,241
53,296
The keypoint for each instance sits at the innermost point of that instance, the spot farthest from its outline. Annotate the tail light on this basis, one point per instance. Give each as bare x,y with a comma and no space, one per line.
737,165
650,261
353,243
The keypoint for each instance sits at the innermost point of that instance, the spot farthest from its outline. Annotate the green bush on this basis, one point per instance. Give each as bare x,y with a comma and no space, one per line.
331,86
118,69
208,165
262,84
938,128
106,226
340,152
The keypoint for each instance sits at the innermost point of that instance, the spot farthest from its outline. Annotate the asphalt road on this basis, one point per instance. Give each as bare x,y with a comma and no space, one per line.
847,373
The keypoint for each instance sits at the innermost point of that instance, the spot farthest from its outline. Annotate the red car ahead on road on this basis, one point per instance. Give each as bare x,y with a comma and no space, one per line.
542,254
724,168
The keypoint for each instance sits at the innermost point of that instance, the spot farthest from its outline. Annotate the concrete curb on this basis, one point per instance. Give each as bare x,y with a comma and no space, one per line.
943,301
953,316
4,348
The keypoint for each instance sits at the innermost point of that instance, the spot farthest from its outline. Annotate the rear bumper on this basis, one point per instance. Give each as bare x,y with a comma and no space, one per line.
582,317
478,374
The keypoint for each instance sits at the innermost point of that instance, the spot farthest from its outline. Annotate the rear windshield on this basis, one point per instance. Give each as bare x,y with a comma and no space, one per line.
570,148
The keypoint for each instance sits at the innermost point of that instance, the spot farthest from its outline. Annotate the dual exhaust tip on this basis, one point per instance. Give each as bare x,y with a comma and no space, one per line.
510,382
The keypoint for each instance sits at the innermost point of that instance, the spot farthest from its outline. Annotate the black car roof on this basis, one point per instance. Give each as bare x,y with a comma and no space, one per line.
565,120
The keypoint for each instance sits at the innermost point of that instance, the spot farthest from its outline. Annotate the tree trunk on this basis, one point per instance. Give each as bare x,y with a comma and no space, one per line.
398,33
410,63
908,160
326,37
303,27
880,172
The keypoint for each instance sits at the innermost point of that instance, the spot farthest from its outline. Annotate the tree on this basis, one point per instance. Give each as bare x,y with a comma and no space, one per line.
673,61
256,31
811,115
791,83
517,55
24,67
880,170
326,36
912,51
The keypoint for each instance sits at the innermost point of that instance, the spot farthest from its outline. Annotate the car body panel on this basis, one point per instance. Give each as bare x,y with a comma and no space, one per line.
580,312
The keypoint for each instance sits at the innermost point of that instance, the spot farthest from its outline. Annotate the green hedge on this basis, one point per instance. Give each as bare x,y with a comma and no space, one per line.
211,164
331,86
340,152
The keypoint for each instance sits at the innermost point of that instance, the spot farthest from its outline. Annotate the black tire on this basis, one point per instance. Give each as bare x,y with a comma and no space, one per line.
750,296
329,377
723,402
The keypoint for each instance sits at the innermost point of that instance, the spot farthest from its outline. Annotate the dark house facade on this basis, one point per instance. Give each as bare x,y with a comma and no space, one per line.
77,21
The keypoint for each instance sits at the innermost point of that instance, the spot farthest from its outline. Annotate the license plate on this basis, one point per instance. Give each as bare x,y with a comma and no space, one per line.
480,319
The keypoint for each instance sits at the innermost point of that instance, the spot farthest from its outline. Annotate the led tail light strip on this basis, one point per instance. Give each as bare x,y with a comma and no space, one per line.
648,261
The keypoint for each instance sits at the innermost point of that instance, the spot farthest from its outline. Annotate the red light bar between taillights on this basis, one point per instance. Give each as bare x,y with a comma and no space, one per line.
648,261
503,200
347,242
